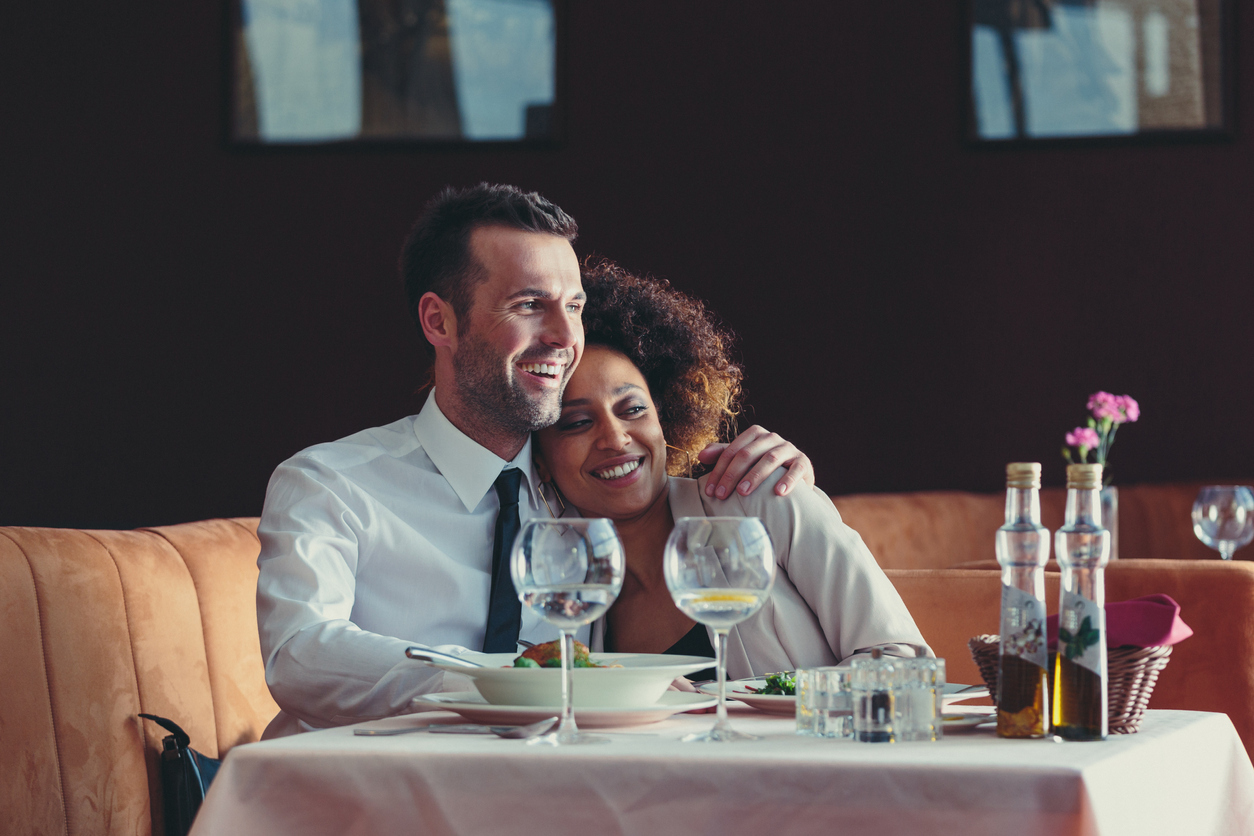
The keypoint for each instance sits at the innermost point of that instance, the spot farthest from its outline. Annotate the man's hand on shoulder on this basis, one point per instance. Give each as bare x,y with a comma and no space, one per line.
751,456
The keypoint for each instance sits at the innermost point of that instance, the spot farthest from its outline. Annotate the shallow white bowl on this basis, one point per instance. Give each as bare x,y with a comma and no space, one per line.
641,680
472,706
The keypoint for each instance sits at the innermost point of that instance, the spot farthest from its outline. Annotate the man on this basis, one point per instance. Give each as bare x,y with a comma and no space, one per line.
394,536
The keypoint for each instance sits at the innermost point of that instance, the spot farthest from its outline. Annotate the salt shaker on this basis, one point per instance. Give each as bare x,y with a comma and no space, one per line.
874,698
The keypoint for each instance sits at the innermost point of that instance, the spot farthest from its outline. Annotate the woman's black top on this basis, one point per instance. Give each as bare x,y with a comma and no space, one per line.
696,642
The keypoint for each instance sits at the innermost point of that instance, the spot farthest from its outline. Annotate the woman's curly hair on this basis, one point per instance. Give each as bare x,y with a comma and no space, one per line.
678,347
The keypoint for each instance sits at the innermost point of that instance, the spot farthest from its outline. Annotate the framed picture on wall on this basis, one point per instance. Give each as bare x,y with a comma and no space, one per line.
1098,70
320,72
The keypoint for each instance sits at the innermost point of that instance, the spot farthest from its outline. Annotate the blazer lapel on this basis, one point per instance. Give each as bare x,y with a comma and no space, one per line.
687,500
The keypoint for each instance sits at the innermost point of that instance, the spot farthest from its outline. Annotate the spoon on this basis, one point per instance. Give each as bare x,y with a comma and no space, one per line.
426,654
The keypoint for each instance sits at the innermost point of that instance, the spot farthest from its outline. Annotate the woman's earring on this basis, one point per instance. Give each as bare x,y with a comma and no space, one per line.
556,495
687,458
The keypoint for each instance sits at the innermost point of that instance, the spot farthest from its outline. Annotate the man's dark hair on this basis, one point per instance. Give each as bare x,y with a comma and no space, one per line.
436,257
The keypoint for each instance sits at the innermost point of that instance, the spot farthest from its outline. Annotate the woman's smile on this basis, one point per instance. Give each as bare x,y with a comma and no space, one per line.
615,471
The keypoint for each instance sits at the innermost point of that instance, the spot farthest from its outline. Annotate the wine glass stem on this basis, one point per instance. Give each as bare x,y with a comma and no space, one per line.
1226,548
567,725
720,663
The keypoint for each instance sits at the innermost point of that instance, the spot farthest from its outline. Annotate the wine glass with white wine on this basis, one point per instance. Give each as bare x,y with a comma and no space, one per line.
568,571
719,571
1223,517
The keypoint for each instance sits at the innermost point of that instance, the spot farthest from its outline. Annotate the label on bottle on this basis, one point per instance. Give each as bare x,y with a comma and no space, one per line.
1023,626
1082,632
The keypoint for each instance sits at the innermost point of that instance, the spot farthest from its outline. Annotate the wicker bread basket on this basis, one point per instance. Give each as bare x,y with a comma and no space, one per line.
1131,673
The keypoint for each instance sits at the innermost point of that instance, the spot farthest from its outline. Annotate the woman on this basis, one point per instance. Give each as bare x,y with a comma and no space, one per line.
655,386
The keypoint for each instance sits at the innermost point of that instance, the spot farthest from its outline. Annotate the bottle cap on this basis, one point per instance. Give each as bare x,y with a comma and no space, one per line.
1084,477
1023,475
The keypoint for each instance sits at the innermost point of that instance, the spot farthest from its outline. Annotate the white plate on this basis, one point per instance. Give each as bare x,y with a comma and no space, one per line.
739,690
781,704
473,707
966,722
641,679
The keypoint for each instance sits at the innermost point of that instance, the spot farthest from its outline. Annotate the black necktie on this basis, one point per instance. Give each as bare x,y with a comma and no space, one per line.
504,608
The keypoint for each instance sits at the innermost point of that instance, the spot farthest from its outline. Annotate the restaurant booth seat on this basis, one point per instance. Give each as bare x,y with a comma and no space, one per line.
102,625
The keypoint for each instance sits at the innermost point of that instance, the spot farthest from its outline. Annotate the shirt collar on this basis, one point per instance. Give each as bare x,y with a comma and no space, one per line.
468,466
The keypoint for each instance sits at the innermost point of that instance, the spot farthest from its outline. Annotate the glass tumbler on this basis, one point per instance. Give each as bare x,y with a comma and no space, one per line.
920,684
825,702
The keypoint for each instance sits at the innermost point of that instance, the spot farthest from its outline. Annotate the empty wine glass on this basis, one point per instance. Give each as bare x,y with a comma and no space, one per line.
1223,517
569,572
719,571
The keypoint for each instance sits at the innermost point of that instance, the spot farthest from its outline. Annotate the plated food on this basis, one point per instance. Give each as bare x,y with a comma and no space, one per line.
549,655
754,692
778,685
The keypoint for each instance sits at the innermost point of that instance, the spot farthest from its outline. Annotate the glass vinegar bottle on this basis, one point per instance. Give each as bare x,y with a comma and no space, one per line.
1083,549
1023,661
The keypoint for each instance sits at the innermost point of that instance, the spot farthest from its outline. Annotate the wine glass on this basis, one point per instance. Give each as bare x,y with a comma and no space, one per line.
568,571
1223,517
719,571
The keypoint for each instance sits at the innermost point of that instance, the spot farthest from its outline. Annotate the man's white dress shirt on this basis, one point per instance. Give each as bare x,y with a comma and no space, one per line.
370,544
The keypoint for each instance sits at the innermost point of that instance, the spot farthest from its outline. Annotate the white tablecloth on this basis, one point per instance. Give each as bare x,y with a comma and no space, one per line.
1185,773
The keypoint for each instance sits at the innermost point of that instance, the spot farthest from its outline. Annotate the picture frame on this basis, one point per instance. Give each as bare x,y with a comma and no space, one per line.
1063,72
371,73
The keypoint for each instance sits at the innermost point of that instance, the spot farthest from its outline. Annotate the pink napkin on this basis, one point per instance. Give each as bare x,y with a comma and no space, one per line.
1142,622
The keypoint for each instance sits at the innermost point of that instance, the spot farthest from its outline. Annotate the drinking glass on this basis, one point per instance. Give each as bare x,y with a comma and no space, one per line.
719,571
568,571
825,702
920,686
1223,517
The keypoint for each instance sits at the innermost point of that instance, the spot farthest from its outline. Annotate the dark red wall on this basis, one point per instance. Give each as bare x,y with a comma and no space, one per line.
179,316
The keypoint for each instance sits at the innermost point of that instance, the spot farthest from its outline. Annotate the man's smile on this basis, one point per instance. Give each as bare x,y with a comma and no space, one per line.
551,371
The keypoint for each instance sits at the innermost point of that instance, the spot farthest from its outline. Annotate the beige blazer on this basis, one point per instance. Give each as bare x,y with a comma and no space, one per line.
830,600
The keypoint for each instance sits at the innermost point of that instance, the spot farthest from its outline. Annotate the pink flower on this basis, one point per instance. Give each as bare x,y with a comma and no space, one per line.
1105,405
1131,409
1119,409
1085,438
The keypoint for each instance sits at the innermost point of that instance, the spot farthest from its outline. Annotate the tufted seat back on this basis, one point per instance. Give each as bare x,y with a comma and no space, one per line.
943,529
100,625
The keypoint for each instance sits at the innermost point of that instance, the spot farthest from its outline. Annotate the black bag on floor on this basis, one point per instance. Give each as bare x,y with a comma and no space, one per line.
185,777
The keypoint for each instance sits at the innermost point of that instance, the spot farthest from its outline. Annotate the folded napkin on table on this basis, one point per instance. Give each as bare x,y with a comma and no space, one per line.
1142,622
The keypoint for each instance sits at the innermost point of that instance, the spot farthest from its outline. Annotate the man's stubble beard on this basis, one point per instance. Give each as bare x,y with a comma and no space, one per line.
488,387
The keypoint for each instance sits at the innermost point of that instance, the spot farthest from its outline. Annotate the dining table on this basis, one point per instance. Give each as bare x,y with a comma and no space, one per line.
1184,772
